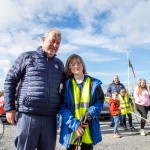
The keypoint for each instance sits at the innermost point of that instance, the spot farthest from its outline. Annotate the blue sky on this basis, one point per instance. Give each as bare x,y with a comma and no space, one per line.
100,31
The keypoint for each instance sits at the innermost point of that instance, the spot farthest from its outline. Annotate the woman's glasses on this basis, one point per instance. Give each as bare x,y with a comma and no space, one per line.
74,64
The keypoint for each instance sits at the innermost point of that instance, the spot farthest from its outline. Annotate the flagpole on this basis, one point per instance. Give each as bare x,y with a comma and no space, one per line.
128,71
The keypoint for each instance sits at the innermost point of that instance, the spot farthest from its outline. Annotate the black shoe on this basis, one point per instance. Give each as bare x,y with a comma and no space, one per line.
132,128
112,125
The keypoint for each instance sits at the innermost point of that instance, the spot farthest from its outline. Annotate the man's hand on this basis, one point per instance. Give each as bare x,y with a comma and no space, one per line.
11,117
80,131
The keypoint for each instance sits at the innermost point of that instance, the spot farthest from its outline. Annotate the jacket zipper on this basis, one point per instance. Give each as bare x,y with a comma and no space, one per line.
48,88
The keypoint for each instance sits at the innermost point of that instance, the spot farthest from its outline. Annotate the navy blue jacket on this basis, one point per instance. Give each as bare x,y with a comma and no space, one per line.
114,88
70,123
34,82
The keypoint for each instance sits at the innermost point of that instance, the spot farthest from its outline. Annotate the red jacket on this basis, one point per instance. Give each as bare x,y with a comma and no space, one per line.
1,104
114,107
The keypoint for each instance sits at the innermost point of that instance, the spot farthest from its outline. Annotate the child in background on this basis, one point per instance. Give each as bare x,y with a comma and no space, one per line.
127,107
1,103
115,112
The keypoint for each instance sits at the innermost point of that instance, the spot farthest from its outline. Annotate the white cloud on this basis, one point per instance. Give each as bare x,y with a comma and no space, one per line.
67,48
126,21
92,56
5,65
110,25
129,23
85,37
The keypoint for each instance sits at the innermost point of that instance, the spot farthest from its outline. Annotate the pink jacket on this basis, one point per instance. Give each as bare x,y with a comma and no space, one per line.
143,99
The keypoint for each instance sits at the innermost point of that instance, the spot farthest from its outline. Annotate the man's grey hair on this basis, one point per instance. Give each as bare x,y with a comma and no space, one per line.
51,30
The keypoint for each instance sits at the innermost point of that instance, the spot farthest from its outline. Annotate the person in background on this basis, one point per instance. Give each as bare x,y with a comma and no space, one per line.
115,86
115,112
1,102
127,107
83,102
142,101
36,77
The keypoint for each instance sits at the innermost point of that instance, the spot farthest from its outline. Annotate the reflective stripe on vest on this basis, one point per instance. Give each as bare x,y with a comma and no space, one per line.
125,104
82,100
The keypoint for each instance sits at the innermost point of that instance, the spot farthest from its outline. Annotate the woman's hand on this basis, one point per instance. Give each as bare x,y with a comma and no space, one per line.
80,131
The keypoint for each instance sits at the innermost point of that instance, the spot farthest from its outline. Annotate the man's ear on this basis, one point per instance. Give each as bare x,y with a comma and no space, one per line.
43,39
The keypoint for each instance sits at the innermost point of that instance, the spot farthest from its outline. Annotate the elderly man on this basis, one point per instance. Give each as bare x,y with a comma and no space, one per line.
115,86
33,81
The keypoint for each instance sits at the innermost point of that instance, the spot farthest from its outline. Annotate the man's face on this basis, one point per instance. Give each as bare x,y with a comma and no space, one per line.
51,44
116,79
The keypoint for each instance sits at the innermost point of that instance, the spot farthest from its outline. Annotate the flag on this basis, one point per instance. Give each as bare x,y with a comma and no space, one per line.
130,65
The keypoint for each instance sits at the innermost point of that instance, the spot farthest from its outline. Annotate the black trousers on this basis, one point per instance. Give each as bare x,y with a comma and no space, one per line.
130,120
83,147
143,110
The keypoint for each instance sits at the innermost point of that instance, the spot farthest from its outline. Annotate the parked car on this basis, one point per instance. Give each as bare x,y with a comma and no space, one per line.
105,113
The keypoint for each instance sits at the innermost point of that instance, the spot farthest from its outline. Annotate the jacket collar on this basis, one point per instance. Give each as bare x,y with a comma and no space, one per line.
42,52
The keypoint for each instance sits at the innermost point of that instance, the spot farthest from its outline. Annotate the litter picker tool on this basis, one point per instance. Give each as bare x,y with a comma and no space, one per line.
84,122
134,115
78,139
148,121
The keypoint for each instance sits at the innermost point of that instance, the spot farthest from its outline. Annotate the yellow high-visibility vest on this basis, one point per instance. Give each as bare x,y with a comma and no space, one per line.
125,104
82,99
